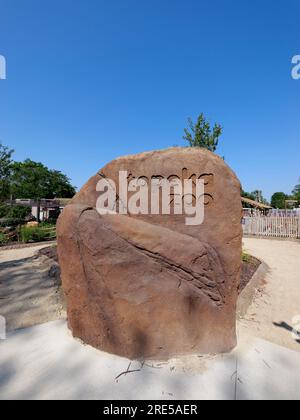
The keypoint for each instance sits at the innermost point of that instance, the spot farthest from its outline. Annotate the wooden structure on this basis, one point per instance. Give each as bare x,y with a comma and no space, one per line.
252,207
42,209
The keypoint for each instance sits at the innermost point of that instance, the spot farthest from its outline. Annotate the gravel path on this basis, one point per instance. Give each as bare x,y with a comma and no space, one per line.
276,309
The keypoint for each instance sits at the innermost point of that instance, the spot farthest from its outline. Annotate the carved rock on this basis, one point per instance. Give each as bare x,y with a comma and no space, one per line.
148,286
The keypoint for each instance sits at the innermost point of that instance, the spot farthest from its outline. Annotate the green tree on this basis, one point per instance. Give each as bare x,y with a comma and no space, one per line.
278,200
258,196
14,212
201,134
31,179
5,171
296,192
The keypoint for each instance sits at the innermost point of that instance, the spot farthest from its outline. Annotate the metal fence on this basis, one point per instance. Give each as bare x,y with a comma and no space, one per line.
280,227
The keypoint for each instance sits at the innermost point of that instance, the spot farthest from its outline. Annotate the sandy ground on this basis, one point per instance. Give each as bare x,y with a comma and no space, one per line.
28,295
275,311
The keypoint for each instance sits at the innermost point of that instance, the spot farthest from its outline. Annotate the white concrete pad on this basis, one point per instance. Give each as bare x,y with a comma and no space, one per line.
267,371
45,362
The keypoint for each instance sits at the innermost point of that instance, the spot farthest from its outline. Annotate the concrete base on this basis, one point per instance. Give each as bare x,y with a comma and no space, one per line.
248,294
45,362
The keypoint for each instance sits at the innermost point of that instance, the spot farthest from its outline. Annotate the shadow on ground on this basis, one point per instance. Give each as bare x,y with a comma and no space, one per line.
28,294
289,328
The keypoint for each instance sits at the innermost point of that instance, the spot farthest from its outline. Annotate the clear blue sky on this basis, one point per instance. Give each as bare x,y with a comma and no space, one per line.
91,80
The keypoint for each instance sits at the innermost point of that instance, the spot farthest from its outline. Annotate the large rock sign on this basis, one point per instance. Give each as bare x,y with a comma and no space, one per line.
149,286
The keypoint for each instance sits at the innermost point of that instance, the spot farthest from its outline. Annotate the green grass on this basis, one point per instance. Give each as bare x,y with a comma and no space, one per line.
245,257
37,234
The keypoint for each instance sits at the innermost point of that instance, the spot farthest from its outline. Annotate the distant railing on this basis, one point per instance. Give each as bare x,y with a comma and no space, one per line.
280,227
47,203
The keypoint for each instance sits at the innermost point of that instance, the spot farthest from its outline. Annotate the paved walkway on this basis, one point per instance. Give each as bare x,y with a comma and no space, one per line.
276,311
17,254
45,362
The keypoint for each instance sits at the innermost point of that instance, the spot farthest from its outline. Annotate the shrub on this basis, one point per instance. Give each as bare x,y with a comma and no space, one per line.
14,212
36,234
245,257
52,221
3,210
11,222
19,212
3,238
48,224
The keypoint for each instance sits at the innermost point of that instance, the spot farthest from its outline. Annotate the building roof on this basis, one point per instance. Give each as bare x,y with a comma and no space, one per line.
64,201
255,204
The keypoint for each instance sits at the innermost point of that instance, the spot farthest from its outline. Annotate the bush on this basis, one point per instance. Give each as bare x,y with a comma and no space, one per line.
3,238
14,212
48,224
36,234
4,209
11,222
19,212
245,257
51,221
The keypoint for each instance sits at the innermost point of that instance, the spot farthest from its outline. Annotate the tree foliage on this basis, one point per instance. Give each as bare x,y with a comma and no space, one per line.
5,171
14,212
278,200
201,134
297,188
296,192
33,180
256,195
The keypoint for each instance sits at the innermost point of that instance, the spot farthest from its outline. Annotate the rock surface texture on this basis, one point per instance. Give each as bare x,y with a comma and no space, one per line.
149,286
